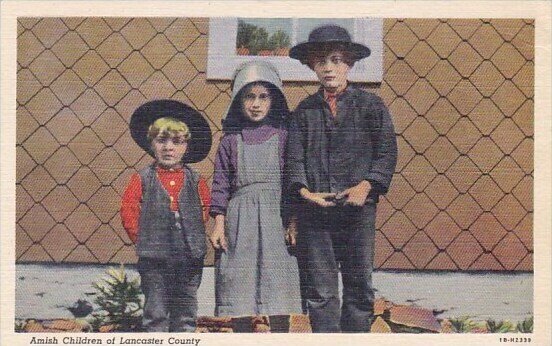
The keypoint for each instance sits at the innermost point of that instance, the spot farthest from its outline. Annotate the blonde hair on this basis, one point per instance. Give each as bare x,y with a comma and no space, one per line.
168,126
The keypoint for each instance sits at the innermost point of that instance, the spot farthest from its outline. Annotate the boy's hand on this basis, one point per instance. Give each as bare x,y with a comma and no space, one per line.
217,238
321,199
356,195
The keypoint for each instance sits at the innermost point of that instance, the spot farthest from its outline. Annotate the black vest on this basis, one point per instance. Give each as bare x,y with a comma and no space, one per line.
159,237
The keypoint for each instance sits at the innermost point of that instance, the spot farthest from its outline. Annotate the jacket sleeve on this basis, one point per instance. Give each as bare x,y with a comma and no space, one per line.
130,207
222,179
205,197
384,153
295,156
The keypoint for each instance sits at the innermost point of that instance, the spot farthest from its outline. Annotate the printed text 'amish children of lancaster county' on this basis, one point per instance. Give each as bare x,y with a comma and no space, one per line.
80,340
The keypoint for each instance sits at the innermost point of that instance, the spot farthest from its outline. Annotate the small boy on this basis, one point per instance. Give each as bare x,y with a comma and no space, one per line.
162,213
341,155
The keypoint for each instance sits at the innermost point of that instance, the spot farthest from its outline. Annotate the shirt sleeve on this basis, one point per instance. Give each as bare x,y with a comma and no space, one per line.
295,156
222,179
205,196
384,158
130,207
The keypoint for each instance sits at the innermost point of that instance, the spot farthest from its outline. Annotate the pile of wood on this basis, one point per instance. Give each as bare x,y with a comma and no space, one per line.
389,318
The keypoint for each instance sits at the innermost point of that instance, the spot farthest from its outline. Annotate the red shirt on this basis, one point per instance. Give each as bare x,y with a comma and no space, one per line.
172,180
331,99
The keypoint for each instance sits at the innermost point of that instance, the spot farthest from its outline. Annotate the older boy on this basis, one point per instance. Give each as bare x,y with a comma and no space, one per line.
341,155
162,212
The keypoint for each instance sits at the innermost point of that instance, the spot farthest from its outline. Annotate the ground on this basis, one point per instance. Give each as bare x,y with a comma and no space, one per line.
45,291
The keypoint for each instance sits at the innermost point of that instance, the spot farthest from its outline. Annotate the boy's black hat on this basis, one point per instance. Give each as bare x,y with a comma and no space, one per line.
326,35
199,144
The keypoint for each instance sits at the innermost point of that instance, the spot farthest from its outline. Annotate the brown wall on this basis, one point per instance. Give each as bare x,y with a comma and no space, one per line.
460,92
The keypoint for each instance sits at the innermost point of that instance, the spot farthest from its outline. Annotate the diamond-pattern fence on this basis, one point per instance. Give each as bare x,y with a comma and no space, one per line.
460,92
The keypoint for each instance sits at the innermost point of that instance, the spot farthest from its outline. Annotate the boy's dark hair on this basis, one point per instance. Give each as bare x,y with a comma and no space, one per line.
277,114
325,50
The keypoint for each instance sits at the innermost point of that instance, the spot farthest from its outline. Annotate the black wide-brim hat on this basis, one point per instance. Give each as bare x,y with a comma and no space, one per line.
328,35
200,142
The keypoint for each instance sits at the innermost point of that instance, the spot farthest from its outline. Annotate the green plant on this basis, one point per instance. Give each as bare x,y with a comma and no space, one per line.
463,324
96,321
252,37
525,326
245,33
279,39
119,301
499,326
20,326
397,328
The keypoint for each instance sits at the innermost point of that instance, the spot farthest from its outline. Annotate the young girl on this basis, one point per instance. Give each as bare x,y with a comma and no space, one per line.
255,274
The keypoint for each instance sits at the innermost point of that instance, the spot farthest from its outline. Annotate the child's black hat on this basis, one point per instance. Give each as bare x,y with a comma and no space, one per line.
199,144
326,35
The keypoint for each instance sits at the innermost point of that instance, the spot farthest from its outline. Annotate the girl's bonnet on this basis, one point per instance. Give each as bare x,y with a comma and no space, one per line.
251,72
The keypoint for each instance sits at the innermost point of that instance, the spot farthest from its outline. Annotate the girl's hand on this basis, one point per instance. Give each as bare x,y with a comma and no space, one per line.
217,238
291,234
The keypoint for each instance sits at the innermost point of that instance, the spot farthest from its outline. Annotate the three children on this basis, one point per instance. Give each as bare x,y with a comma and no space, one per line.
340,155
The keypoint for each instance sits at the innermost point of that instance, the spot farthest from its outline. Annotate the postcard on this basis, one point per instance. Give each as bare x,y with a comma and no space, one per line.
197,173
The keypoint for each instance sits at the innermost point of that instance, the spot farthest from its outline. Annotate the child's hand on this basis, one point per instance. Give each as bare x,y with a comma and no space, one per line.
356,195
321,199
217,238
291,234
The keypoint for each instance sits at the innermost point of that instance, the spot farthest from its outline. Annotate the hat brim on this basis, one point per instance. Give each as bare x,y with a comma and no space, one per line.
200,142
301,51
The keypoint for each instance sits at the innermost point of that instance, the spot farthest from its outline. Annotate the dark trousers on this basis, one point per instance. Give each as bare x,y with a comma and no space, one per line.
330,240
170,290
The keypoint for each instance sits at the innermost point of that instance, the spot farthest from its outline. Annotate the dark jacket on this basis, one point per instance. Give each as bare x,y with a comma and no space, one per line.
330,154
159,237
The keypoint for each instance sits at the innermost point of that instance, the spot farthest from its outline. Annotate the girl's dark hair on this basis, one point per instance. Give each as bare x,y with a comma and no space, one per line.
277,114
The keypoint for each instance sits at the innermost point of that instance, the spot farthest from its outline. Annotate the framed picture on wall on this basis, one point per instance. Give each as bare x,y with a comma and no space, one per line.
235,40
